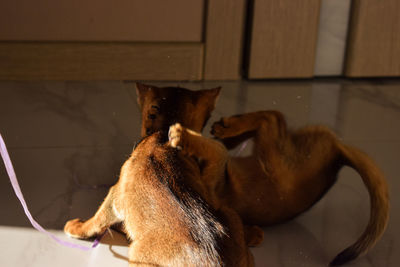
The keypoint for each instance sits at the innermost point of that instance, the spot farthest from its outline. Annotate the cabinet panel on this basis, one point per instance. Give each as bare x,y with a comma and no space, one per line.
283,38
100,61
102,20
224,38
374,39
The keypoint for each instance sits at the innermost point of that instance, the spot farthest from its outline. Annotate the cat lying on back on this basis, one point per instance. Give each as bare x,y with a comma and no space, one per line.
287,173
162,204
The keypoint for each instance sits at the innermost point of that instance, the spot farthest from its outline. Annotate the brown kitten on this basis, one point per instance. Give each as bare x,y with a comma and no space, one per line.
163,106
160,203
288,171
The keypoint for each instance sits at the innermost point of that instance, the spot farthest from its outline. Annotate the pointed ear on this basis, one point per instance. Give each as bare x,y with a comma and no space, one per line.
214,92
141,92
211,96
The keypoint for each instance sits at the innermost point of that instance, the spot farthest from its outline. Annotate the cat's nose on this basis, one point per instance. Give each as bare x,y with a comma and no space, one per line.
152,116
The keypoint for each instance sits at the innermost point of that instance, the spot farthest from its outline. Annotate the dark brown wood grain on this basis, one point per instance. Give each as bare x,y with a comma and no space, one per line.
283,38
100,61
223,39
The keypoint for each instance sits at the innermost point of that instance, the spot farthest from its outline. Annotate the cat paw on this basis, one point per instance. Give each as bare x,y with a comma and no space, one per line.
175,135
220,129
73,228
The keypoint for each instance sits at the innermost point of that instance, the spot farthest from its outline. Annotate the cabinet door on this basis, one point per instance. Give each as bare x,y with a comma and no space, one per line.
101,39
121,40
374,39
283,38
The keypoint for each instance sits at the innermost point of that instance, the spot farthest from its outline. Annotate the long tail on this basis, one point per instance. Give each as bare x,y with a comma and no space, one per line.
379,201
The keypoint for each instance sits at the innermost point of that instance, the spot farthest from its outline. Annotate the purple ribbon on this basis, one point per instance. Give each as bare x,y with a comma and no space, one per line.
17,190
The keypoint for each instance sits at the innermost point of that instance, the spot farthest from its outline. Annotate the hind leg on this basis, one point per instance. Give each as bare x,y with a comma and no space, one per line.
249,123
96,225
266,127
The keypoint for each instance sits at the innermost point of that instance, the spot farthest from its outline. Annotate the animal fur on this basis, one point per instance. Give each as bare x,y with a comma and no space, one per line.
288,171
163,107
160,203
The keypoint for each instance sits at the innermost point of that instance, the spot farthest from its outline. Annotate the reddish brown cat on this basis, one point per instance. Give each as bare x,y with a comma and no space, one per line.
162,204
290,171
287,173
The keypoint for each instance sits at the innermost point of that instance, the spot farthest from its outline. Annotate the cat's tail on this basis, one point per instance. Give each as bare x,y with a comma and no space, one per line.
379,201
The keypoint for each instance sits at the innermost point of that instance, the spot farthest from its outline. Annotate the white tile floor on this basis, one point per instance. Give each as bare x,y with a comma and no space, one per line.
64,136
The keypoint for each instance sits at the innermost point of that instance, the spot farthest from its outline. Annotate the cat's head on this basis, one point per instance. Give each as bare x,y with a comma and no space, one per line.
164,106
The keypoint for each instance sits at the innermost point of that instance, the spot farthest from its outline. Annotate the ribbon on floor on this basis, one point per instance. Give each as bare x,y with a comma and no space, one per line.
14,182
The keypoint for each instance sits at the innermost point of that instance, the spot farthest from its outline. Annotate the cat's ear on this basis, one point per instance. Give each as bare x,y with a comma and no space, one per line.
142,90
210,96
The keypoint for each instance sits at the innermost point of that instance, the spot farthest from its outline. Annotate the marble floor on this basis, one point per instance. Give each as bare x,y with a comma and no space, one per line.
68,139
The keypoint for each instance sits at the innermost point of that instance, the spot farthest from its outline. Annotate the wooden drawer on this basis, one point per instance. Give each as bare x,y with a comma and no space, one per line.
102,20
121,40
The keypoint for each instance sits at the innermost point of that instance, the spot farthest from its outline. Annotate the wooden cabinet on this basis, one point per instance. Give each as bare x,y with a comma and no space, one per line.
197,39
284,34
121,40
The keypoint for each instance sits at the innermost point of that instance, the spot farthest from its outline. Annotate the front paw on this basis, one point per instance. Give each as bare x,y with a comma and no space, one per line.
220,128
175,135
73,228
